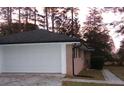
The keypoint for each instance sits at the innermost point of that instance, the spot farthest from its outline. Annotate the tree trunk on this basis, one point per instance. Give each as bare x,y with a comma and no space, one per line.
46,13
26,18
8,15
35,17
72,17
10,12
9,19
19,16
52,19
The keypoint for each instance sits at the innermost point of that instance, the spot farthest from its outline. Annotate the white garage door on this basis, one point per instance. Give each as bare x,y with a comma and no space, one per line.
37,58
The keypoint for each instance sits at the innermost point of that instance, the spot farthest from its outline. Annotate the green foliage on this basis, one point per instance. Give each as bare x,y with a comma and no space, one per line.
67,28
97,62
62,22
121,53
29,27
66,24
16,27
119,24
96,34
54,18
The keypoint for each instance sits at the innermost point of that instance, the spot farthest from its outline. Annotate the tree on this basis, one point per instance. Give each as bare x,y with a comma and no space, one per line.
66,28
121,53
120,25
12,24
16,27
96,33
46,18
19,17
6,13
65,23
59,16
19,14
35,15
41,20
30,15
51,12
54,18
28,12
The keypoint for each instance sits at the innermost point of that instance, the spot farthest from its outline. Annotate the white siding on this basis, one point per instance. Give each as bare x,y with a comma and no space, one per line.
36,58
63,58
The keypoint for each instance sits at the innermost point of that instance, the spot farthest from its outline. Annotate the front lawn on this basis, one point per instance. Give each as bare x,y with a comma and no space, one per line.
69,83
117,70
91,74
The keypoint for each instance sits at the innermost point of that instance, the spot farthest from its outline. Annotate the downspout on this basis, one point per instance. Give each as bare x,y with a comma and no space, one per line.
73,53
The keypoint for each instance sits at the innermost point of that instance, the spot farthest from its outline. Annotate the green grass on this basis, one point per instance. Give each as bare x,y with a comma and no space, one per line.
117,70
91,74
69,83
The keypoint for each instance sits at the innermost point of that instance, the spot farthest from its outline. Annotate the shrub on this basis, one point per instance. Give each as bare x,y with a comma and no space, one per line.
97,62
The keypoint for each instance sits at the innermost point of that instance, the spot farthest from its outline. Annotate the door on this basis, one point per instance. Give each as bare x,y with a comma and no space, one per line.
32,58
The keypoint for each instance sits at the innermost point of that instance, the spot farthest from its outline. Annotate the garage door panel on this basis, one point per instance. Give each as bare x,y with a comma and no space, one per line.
32,58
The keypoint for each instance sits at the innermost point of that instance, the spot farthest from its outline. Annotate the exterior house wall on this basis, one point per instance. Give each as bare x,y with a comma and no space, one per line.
79,62
82,58
87,59
78,65
69,60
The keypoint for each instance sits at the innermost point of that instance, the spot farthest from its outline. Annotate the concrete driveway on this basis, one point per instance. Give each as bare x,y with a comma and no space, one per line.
30,79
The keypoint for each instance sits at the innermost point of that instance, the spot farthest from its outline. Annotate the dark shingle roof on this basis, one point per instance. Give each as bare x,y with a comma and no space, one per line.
36,36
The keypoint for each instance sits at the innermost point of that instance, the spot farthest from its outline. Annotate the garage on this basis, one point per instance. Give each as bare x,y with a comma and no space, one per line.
32,58
38,51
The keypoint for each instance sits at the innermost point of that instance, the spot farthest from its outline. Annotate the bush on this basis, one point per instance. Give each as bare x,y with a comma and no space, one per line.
97,62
